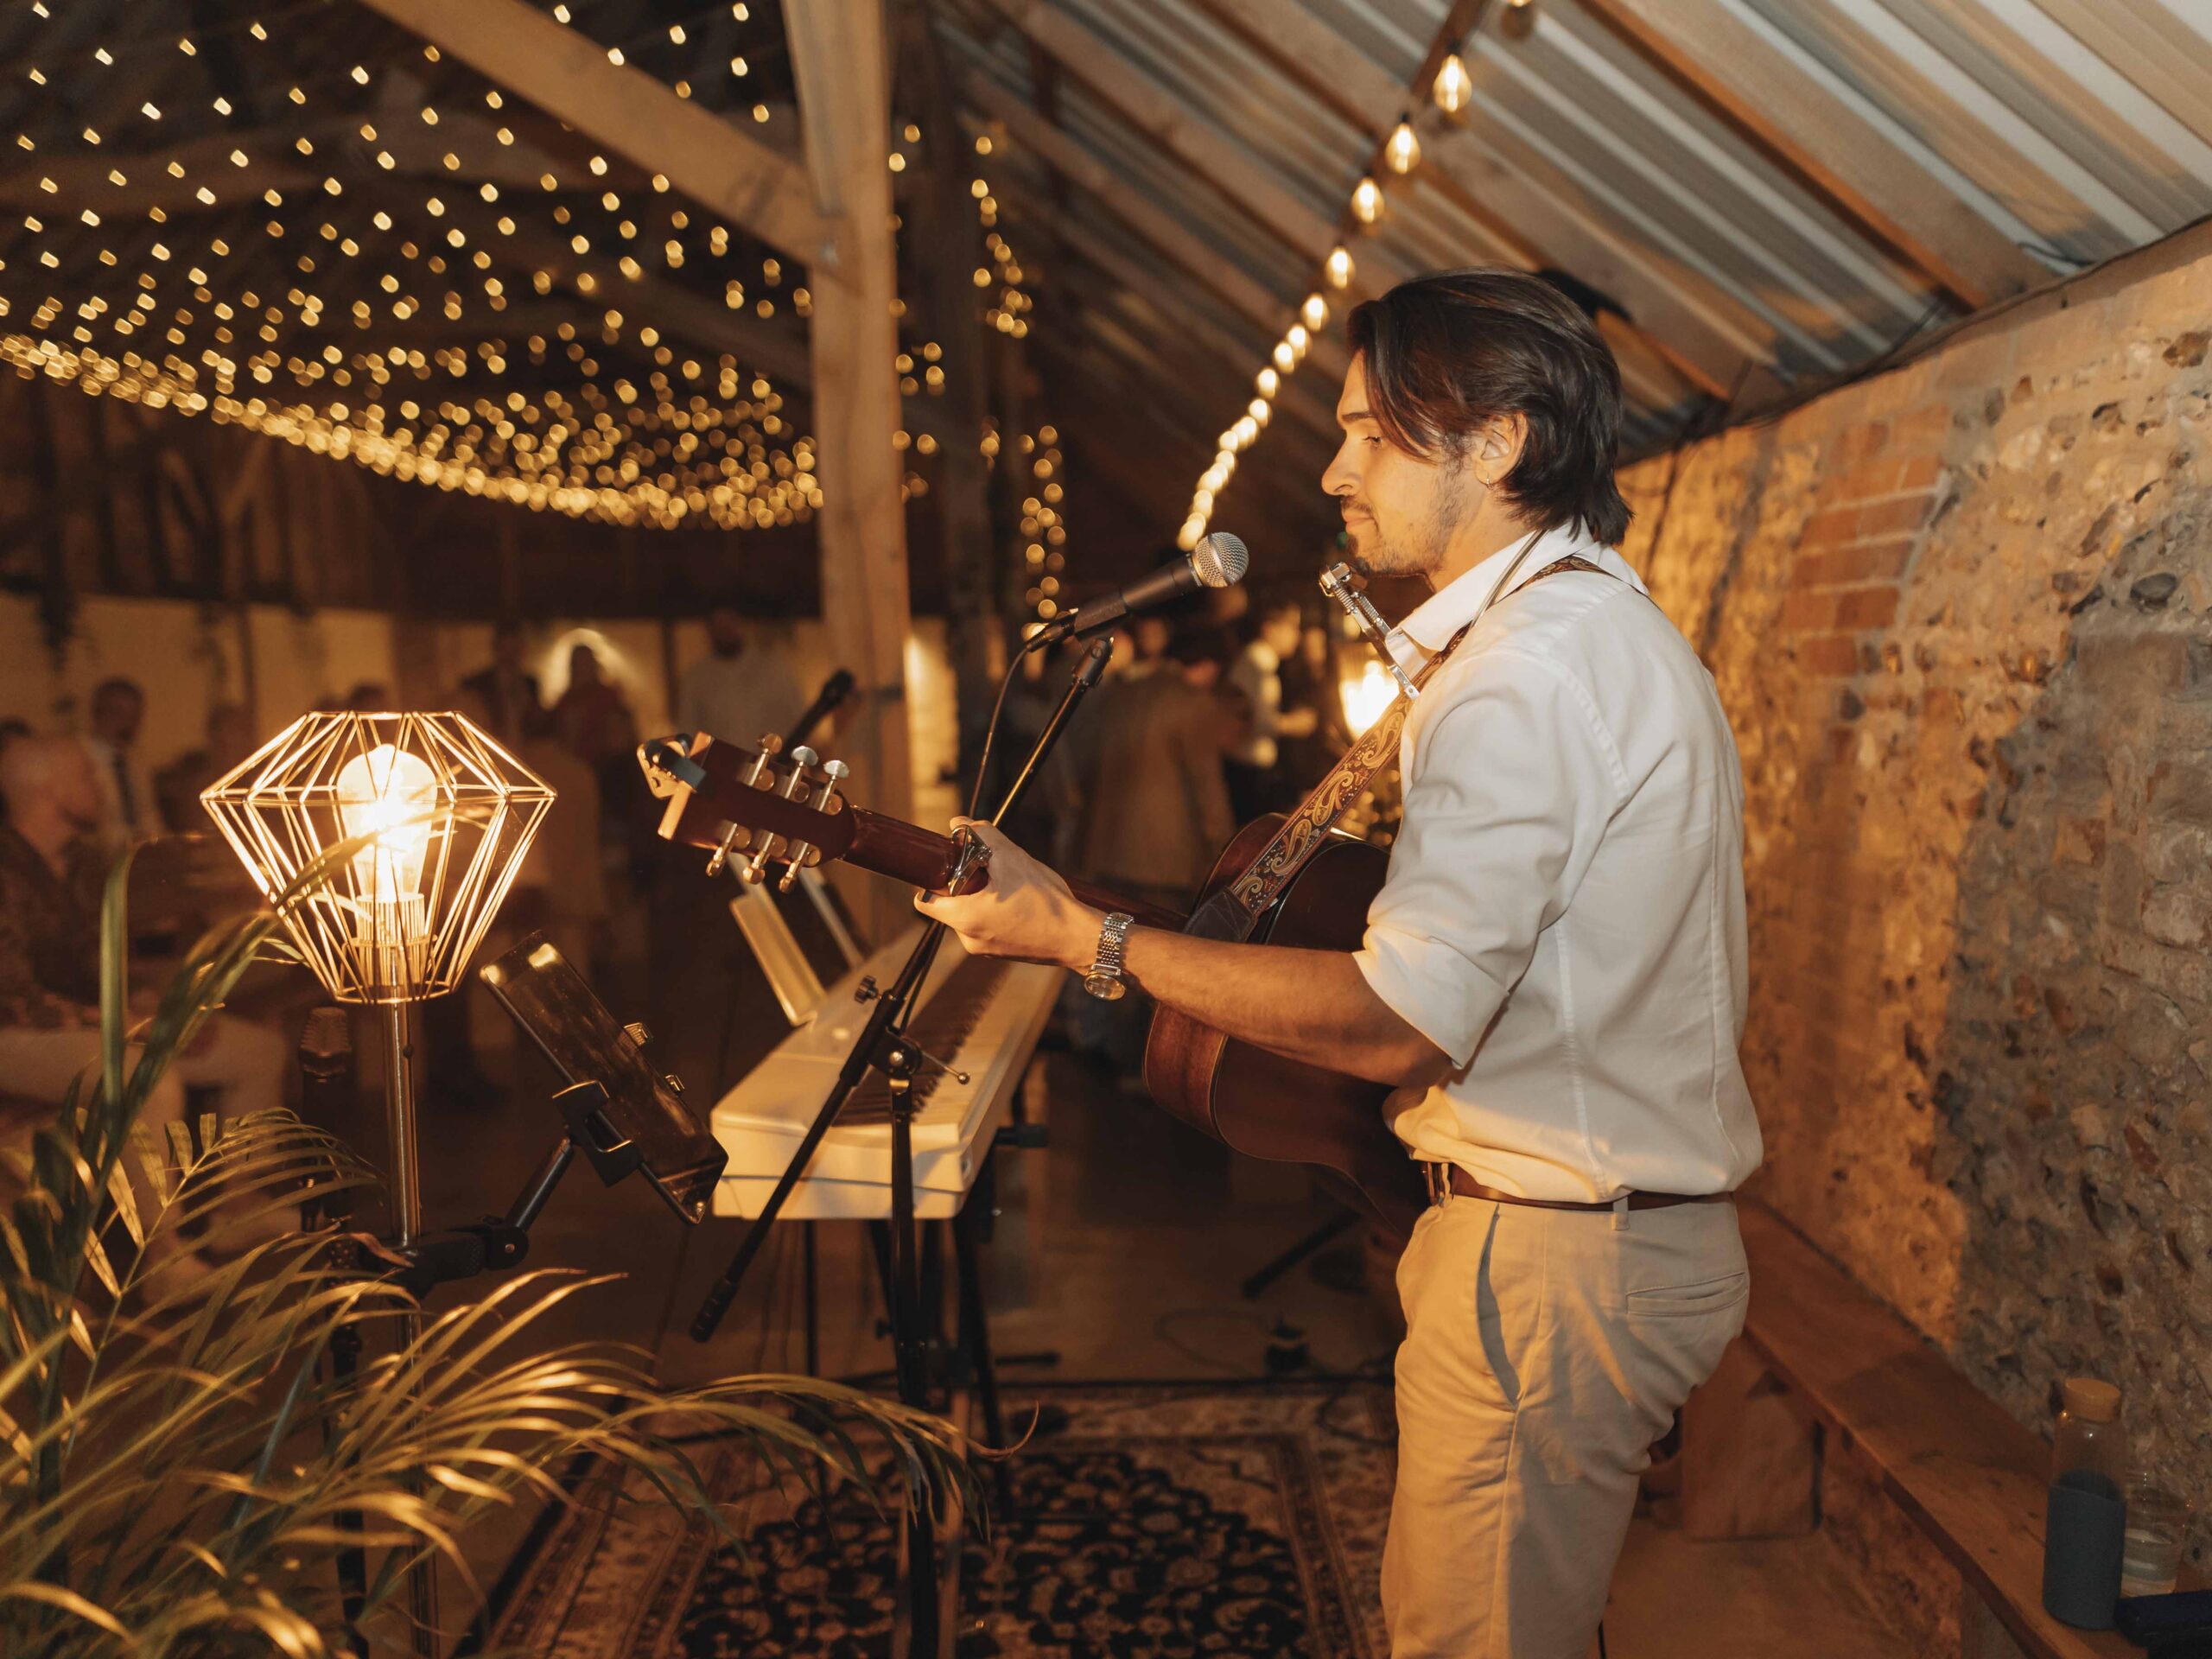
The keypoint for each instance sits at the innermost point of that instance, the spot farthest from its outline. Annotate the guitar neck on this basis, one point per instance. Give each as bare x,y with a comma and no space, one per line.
922,858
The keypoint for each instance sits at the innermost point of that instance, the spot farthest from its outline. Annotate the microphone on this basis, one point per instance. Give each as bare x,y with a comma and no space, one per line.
1218,561
835,690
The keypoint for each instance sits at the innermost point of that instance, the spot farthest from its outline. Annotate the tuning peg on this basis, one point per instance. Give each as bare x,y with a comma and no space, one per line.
770,745
636,1032
719,856
833,773
804,758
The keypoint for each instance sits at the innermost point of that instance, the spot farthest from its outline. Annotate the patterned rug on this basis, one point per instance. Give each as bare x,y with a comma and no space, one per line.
1164,1522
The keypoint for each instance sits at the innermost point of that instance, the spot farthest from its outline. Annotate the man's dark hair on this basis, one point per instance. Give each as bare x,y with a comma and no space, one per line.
1448,352
117,686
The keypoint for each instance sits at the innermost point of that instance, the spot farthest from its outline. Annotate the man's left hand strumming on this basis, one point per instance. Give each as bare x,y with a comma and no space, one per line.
1311,1006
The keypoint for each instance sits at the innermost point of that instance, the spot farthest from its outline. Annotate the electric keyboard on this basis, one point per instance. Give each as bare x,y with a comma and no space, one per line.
978,1015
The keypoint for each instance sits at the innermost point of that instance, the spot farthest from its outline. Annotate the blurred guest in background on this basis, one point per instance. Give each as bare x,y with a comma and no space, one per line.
593,722
1256,781
503,696
229,740
1154,812
128,811
52,868
737,692
1310,692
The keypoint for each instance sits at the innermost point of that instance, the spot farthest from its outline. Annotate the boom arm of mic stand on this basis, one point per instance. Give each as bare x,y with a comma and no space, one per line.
886,1016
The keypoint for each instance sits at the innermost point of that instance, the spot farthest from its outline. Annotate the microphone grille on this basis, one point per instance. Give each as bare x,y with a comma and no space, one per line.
1220,560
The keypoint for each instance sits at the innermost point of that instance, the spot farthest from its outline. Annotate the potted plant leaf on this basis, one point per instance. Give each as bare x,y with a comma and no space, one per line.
183,1470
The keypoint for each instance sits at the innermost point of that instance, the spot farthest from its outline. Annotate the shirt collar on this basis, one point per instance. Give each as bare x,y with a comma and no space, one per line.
1429,626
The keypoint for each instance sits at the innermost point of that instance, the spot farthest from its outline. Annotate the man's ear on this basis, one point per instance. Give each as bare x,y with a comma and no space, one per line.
1498,449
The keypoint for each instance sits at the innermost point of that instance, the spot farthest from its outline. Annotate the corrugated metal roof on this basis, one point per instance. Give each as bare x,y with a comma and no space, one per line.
2074,129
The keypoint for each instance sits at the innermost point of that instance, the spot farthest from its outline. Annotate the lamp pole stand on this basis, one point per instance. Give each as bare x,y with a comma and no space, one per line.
406,1171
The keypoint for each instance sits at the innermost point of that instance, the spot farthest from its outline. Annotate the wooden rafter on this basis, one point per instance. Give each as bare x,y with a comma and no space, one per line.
1783,111
723,169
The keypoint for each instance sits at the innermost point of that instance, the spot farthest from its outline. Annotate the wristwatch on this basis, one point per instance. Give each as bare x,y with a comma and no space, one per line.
1104,980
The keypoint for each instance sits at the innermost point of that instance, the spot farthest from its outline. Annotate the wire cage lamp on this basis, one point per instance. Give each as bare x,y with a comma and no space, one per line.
443,816
449,815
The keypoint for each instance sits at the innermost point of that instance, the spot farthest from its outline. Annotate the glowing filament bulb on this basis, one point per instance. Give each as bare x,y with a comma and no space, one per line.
387,795
1401,152
1314,313
1455,88
1366,202
1339,267
1268,381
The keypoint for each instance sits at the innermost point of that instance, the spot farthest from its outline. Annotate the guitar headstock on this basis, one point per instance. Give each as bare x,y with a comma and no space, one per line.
758,805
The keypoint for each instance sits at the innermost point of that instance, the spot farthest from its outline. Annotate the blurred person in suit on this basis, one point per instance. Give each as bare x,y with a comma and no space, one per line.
505,695
1253,769
129,808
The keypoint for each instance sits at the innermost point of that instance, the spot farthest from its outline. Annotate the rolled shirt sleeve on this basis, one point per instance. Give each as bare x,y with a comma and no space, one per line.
1509,781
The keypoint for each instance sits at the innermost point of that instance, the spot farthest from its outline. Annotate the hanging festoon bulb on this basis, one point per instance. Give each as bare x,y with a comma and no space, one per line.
1259,410
1402,150
1366,202
1268,382
1314,313
1286,358
1298,340
1247,430
1455,88
1339,267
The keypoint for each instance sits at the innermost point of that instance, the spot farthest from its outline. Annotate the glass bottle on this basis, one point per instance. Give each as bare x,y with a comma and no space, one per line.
2085,1525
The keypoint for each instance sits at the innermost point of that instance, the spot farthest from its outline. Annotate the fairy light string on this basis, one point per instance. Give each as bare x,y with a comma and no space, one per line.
335,272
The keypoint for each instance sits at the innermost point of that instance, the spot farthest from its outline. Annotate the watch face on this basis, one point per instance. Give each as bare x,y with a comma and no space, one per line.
1107,986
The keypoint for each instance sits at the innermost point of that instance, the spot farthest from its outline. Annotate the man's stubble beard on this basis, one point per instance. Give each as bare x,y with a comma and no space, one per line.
1424,556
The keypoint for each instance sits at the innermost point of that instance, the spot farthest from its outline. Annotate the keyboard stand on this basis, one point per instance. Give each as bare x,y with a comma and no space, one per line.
884,1045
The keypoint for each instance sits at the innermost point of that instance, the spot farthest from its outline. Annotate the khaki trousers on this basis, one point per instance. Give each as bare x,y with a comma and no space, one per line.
1545,1351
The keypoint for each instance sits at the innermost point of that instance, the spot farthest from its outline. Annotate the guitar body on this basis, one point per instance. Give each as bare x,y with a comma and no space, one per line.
1268,1107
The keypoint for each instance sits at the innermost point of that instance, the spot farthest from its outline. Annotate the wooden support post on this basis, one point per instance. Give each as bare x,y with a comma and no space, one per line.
1749,1464
949,250
840,58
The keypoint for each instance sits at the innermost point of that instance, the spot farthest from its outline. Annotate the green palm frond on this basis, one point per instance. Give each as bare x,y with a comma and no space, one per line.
181,1464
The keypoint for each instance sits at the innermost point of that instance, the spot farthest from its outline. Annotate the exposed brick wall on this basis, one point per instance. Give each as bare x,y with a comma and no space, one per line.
1958,614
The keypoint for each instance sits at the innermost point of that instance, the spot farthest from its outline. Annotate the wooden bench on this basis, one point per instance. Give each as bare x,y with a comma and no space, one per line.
1816,1348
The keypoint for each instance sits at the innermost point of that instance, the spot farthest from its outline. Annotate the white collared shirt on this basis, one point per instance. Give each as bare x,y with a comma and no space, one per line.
1564,912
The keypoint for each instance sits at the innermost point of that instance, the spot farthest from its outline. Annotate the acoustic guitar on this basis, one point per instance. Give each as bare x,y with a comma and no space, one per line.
1284,880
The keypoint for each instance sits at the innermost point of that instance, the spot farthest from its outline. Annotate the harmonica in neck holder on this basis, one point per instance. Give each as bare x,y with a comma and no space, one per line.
1339,583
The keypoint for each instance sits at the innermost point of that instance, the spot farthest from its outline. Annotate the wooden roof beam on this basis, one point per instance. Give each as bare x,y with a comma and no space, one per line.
1244,293
1546,231
1154,113
1845,158
719,166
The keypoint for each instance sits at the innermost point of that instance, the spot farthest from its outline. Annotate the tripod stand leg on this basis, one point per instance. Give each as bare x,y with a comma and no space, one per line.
809,1261
975,1343
910,1348
1319,1239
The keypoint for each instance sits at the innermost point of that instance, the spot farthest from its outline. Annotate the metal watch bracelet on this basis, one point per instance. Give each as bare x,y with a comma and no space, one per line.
1104,979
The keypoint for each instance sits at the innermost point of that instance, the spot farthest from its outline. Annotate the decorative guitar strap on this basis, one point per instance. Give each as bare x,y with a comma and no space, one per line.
1232,913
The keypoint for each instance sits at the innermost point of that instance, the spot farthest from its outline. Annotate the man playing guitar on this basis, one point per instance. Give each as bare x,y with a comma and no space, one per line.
1553,975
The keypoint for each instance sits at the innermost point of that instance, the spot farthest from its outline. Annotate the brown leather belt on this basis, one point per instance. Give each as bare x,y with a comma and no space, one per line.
1466,1186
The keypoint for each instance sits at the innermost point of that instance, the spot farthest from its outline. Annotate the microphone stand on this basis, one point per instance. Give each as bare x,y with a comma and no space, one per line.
883,1046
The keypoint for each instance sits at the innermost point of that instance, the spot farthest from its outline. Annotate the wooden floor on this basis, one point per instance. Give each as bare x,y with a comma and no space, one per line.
1122,1248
